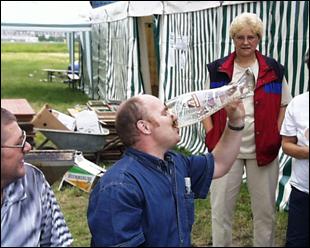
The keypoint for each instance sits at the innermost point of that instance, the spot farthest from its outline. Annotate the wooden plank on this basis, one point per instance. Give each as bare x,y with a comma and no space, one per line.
55,70
20,108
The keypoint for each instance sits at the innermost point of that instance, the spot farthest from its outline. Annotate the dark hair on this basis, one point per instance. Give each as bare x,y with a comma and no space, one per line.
6,118
127,117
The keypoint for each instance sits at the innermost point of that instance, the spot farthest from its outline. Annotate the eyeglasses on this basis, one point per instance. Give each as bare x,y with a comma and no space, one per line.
22,145
242,38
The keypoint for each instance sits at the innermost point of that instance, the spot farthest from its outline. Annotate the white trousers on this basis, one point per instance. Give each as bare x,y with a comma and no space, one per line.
262,184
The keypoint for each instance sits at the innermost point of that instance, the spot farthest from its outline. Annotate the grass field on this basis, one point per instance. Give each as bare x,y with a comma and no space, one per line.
22,77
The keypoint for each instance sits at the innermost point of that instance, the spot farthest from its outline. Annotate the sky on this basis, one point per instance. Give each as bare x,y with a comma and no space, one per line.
45,11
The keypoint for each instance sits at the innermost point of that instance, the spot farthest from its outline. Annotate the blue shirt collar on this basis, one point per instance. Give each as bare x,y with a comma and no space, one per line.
150,160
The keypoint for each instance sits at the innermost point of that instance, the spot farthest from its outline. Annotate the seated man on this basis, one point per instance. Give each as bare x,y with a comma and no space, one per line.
30,215
76,67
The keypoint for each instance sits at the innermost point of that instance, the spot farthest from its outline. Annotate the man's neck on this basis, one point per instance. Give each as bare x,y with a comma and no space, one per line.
150,149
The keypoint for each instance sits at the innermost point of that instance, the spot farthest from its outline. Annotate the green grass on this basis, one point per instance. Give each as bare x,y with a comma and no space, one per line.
41,47
73,203
22,77
242,223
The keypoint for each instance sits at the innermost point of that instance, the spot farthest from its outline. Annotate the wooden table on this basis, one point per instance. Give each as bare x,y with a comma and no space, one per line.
19,107
54,72
24,114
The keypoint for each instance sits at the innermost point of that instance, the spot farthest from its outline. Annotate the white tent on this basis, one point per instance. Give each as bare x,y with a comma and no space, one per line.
51,16
45,16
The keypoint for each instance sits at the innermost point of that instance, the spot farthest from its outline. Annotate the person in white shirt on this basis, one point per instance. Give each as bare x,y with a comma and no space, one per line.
295,143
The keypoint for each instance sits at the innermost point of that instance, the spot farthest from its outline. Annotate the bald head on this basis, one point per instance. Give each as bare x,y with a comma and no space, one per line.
128,113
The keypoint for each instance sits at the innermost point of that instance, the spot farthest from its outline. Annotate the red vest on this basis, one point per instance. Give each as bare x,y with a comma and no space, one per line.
267,104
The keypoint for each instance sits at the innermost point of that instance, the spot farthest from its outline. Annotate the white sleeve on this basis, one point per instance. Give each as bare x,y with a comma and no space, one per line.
288,127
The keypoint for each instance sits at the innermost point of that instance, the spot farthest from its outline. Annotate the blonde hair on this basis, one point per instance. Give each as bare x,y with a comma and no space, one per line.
246,20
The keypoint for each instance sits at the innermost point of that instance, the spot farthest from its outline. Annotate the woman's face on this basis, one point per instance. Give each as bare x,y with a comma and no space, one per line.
245,43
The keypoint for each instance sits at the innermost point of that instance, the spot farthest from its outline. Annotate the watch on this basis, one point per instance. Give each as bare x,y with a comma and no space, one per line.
236,128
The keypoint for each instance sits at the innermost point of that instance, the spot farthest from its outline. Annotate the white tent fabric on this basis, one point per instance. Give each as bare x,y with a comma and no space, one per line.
60,16
115,58
123,9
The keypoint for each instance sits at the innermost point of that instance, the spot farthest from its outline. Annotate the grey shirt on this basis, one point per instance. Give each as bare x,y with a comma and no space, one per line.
30,215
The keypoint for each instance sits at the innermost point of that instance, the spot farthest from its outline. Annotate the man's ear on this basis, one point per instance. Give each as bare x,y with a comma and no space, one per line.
143,126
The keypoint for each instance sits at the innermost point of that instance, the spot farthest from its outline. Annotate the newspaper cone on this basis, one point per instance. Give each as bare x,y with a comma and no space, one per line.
193,107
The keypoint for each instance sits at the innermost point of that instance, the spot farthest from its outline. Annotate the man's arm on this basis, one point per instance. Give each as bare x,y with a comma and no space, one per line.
228,147
290,147
207,124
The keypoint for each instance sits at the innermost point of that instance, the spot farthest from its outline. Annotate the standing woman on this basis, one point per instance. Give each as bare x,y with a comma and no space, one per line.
261,139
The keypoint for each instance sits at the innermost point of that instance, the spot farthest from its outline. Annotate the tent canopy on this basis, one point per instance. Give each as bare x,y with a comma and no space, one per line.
45,16
122,9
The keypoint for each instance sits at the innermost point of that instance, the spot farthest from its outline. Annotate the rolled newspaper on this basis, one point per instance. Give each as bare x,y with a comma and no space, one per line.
193,107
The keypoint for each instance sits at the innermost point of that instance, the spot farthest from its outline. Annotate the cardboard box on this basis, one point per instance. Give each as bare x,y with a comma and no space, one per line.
84,175
45,119
79,178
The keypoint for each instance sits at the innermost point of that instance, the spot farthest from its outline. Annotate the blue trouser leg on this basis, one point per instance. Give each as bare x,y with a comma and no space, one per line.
298,219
